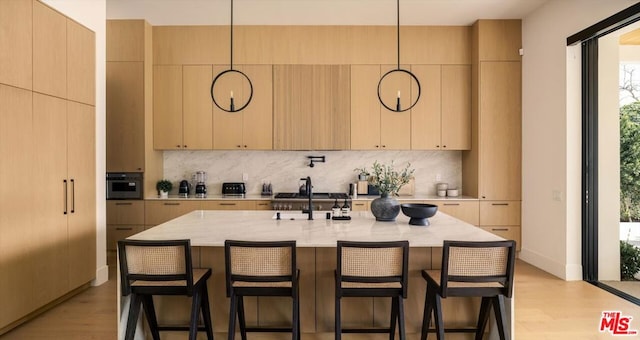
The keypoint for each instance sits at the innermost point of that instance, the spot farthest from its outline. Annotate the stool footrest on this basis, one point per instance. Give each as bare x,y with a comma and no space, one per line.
366,330
454,330
178,328
268,329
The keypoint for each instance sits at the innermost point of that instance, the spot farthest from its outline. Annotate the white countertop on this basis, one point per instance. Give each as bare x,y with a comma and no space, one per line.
214,197
213,227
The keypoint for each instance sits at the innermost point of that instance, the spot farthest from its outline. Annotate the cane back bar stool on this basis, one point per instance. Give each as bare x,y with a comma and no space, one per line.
372,269
482,269
261,269
150,268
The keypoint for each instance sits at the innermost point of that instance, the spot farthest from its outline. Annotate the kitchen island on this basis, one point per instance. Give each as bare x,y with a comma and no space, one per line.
316,255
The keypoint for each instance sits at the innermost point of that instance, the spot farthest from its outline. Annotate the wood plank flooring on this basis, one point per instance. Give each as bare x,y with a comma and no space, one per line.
546,308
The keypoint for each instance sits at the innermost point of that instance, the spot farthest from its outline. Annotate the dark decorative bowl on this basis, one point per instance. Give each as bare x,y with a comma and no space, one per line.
419,212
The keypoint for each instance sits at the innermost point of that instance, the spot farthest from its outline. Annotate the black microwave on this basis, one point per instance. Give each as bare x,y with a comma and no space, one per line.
124,186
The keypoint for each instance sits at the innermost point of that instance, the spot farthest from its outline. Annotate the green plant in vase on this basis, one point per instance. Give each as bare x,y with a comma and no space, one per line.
164,186
388,181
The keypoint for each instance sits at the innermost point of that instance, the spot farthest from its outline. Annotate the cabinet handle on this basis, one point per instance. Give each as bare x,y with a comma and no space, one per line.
64,181
245,146
227,204
124,228
444,146
185,146
126,203
499,229
377,146
139,168
500,204
359,204
451,204
178,146
384,146
239,146
73,196
263,204
437,146
171,203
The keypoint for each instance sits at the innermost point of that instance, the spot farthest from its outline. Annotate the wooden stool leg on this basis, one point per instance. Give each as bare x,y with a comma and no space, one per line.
483,317
426,316
196,299
403,333
338,328
499,310
232,316
437,313
206,312
394,318
132,320
150,312
295,319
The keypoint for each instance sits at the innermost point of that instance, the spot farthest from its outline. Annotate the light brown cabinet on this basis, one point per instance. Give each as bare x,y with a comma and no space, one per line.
167,107
157,212
124,218
311,107
228,205
16,25
49,51
464,210
251,128
374,127
81,71
125,116
441,119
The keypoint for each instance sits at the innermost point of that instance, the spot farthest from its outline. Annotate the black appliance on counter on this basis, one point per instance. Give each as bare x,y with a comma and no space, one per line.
296,201
124,186
183,189
233,189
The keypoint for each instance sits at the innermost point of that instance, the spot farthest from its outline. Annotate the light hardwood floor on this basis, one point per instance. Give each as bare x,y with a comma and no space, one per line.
546,308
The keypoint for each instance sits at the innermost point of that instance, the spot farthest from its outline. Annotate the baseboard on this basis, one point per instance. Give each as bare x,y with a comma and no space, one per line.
102,276
569,272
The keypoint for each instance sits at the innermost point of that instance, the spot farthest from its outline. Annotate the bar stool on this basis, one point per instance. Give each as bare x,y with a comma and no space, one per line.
261,269
150,268
482,269
373,269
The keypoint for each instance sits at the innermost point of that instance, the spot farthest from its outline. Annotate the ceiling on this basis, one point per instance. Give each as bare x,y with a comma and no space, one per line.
319,12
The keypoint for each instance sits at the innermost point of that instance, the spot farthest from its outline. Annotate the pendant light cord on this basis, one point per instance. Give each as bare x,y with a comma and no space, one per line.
397,30
231,58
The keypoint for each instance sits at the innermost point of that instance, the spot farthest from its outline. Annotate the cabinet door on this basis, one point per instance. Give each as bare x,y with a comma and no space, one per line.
17,229
51,206
116,233
125,116
291,111
500,213
16,48
49,51
330,105
263,205
425,115
157,212
229,205
81,63
227,126
257,118
467,211
365,107
125,212
456,107
167,107
506,232
500,131
395,127
82,193
197,107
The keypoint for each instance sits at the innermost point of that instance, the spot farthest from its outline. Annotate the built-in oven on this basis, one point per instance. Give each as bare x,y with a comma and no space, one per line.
124,186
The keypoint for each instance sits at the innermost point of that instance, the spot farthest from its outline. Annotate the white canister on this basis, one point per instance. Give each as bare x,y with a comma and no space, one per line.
452,192
442,193
442,186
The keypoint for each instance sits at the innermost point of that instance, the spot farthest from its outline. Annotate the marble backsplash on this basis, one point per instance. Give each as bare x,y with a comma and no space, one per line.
283,169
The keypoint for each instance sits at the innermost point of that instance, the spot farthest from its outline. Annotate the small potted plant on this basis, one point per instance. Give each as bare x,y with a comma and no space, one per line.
164,186
363,173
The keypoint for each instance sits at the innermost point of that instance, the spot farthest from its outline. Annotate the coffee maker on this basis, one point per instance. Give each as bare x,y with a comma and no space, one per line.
183,190
201,186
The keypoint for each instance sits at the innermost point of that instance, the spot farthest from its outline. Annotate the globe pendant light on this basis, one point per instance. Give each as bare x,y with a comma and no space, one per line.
231,72
398,107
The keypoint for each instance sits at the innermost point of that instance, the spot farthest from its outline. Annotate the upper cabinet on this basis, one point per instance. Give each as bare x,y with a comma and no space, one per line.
167,107
373,127
81,71
16,48
197,107
251,128
49,51
311,107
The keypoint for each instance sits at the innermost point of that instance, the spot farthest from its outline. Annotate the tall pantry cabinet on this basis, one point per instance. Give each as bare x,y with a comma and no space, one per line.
47,169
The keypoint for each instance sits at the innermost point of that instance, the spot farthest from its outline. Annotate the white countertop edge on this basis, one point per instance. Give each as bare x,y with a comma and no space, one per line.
210,228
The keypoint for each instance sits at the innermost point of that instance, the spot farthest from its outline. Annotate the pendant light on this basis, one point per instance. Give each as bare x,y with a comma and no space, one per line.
231,72
398,107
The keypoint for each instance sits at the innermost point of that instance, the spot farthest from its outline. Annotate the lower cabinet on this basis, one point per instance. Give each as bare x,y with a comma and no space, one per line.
502,218
465,210
157,212
360,205
228,205
124,218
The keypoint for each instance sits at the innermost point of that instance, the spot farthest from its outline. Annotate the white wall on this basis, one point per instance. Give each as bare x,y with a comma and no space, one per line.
551,133
93,14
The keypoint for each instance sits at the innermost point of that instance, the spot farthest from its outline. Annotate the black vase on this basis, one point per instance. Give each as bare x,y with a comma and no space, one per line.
385,208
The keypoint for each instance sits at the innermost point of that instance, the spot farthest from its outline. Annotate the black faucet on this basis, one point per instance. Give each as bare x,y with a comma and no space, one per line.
309,190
